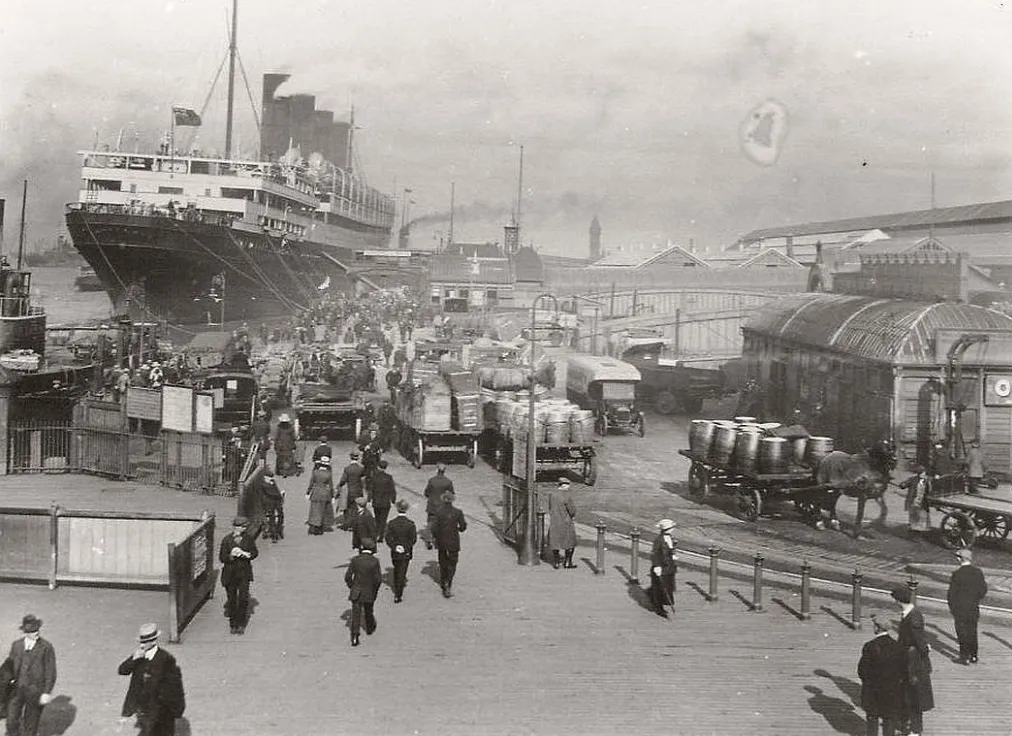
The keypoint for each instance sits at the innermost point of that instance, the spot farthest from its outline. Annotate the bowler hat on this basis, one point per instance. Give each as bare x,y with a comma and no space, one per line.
240,521
901,594
323,438
148,633
383,464
30,623
367,543
402,506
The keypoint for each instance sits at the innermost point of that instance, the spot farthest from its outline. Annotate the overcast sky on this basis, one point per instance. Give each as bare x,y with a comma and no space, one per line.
628,110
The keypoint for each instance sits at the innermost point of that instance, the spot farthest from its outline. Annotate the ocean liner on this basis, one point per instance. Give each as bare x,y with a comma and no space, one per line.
197,239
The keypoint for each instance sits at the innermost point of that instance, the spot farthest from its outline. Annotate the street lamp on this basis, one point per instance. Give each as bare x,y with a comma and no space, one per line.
528,555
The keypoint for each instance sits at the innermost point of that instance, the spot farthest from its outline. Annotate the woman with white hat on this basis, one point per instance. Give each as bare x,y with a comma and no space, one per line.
320,493
663,565
285,442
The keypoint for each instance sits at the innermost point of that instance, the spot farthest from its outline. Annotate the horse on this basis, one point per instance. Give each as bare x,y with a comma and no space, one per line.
864,476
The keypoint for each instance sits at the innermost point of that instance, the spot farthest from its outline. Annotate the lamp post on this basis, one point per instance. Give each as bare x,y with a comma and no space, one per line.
528,553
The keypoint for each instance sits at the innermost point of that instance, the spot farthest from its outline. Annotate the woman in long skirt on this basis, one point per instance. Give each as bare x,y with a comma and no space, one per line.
320,494
918,487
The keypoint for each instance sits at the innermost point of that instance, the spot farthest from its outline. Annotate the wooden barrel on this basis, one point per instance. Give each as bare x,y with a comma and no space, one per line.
773,455
798,447
701,433
746,449
817,448
722,448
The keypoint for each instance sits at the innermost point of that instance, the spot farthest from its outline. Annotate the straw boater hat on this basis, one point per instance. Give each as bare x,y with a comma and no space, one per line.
666,525
148,633
354,455
325,460
564,482
30,623
965,554
284,418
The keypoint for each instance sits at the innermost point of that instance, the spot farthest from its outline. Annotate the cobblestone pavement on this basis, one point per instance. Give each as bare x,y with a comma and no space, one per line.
517,650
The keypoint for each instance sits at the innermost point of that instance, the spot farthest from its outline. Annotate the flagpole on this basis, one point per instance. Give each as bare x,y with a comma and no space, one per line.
172,141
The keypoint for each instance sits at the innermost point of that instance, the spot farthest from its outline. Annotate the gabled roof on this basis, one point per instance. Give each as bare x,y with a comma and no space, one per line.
451,269
470,250
642,258
769,257
527,266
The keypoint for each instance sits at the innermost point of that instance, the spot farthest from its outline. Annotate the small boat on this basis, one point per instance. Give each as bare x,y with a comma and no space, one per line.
88,280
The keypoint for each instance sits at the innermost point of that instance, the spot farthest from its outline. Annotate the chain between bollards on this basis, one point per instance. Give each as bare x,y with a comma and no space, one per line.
714,561
855,600
757,583
634,560
599,567
806,591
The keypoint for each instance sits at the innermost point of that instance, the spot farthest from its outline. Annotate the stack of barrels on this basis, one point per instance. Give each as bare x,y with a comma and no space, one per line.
747,445
556,422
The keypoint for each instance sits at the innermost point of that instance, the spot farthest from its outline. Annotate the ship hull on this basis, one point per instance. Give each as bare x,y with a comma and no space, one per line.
162,267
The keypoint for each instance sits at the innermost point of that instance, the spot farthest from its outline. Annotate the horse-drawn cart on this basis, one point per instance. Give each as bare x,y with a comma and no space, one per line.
421,445
969,517
754,491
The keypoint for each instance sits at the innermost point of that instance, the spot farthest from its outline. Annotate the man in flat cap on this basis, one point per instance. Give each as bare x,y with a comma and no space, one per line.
920,697
155,694
401,535
663,566
363,579
33,664
236,554
882,669
967,588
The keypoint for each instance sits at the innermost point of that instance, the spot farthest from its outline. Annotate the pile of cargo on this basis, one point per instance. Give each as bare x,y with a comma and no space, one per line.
748,446
439,397
556,421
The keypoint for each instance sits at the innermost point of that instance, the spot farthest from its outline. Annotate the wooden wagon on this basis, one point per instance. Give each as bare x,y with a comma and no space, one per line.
969,517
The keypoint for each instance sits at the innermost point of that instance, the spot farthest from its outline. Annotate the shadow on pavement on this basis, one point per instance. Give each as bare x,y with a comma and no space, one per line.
431,569
848,687
839,714
705,595
1004,642
639,596
587,561
936,642
838,617
57,716
789,608
737,594
624,573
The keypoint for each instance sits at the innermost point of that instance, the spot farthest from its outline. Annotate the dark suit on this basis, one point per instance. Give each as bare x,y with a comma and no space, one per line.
662,587
149,696
384,494
363,579
447,524
882,670
351,477
966,589
917,684
322,450
35,672
363,526
401,532
236,576
434,490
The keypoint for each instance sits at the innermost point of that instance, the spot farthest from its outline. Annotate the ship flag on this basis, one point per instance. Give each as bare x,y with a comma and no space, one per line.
325,285
185,116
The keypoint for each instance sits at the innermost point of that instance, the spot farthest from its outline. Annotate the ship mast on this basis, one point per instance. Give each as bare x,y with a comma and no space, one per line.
231,81
350,150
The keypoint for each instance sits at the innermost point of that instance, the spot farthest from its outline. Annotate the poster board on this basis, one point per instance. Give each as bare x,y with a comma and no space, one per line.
177,409
144,403
203,413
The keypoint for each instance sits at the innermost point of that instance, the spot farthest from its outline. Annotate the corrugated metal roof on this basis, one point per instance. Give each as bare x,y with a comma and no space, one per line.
939,216
886,330
461,270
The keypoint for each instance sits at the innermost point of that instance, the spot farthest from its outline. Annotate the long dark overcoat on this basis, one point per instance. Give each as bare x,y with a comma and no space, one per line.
920,695
562,513
882,669
363,578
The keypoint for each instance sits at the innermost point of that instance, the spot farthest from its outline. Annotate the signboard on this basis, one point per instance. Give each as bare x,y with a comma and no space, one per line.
177,408
144,403
203,411
198,551
219,397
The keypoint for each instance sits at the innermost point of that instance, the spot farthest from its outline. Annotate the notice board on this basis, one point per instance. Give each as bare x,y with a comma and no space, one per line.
144,403
203,413
177,408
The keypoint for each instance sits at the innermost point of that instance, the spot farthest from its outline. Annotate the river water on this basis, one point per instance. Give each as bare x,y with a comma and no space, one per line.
53,289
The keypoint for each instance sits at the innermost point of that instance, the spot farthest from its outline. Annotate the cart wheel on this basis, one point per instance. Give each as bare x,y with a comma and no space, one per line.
958,530
750,504
419,454
991,526
641,429
590,471
472,454
699,481
665,402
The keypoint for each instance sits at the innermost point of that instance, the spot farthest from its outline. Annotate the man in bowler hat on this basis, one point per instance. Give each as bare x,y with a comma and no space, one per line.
33,662
967,588
917,689
447,525
155,694
882,669
436,486
236,554
363,579
383,494
401,536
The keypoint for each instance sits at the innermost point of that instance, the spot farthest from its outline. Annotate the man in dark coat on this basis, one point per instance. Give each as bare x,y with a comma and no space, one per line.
447,525
363,579
394,378
363,524
562,532
917,689
967,588
352,476
882,669
155,694
273,498
236,554
434,490
383,494
663,566
401,537
322,449
33,662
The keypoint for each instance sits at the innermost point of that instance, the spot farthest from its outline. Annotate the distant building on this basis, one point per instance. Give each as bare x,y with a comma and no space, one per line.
638,257
595,239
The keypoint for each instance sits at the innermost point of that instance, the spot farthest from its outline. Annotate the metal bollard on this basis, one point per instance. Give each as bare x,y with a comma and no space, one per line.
540,541
912,585
806,591
599,567
634,560
714,559
855,600
757,583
